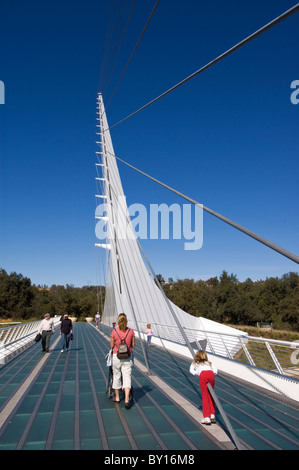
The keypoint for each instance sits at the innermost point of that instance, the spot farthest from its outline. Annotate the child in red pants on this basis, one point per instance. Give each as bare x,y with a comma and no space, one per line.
202,367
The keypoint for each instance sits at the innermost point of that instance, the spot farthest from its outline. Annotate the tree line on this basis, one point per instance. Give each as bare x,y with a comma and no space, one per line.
225,300
22,300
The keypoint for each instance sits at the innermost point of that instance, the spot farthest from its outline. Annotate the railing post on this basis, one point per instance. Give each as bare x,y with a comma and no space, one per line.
227,351
248,355
274,358
208,342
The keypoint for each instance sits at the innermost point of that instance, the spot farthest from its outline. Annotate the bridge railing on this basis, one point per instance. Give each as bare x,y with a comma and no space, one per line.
277,356
15,338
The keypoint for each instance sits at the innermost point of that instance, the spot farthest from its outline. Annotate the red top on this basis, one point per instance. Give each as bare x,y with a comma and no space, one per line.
122,335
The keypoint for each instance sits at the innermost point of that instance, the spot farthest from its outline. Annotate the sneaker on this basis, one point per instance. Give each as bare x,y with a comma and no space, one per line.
213,419
206,421
62,350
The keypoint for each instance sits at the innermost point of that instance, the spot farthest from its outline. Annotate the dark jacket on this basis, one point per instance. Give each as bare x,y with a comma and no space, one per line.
66,326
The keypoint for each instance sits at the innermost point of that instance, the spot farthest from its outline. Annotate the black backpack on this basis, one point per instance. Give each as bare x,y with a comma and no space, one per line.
123,349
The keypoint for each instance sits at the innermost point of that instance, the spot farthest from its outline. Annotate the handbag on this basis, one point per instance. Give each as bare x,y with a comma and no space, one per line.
71,336
123,349
108,358
38,337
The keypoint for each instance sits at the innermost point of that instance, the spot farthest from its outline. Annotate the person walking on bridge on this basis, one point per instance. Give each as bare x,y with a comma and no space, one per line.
46,329
97,319
149,334
202,367
66,329
122,368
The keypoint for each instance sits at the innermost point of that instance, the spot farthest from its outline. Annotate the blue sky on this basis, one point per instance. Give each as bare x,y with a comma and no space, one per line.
228,138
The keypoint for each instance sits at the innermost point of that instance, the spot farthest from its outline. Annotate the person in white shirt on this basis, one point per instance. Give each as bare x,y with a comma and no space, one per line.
97,319
202,367
46,329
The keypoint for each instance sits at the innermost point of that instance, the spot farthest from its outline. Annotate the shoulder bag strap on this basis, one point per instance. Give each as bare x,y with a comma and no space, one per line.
124,339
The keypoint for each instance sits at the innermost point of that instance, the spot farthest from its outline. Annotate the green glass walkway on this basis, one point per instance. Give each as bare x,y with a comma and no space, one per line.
57,401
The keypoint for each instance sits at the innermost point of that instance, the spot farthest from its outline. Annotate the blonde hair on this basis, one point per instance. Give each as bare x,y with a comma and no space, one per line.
122,321
201,356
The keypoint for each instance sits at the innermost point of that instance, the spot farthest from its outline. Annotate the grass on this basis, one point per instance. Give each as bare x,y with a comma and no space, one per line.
281,335
260,354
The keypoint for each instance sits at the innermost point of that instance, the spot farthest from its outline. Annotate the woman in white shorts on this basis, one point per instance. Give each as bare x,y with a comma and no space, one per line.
122,368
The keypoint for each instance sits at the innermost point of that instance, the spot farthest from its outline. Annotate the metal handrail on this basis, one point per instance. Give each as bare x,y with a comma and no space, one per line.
266,353
14,338
10,334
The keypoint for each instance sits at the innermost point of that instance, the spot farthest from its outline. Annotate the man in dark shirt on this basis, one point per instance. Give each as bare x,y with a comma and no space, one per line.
66,328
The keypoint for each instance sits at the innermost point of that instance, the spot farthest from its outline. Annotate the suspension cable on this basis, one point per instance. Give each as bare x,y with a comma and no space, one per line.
257,33
121,42
144,29
115,36
251,234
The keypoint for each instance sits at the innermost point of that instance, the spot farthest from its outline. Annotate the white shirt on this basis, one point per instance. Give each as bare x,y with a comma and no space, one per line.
47,325
196,369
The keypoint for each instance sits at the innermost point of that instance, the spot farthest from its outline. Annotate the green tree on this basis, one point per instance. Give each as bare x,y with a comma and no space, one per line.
16,295
289,304
227,296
